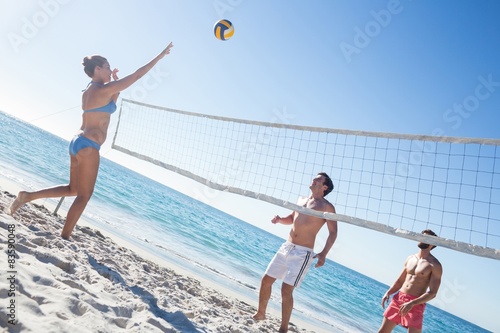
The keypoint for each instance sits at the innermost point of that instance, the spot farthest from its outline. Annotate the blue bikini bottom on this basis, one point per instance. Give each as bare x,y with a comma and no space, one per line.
79,142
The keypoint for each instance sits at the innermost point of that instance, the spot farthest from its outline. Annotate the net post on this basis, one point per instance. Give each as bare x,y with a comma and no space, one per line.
58,206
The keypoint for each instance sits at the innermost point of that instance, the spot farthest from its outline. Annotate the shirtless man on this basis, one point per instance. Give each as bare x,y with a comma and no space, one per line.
295,256
417,284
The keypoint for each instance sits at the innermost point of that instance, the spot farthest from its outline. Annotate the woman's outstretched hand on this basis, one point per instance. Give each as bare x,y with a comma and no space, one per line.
113,73
167,49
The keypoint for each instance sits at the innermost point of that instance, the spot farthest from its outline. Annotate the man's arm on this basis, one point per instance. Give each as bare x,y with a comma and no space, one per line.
283,220
395,286
332,237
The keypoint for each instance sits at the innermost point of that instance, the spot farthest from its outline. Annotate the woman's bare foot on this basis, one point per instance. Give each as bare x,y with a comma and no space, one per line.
259,316
16,204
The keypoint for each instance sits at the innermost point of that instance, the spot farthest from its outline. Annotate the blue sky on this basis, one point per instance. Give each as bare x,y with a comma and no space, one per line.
416,67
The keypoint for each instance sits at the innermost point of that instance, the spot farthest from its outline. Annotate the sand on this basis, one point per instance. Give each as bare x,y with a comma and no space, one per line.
92,283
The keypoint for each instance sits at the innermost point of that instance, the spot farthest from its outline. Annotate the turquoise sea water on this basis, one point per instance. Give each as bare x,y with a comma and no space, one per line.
199,237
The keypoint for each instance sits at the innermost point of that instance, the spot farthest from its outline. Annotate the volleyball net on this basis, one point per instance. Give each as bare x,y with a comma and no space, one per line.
391,183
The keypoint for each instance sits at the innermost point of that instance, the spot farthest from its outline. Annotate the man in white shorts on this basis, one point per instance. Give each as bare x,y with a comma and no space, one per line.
295,256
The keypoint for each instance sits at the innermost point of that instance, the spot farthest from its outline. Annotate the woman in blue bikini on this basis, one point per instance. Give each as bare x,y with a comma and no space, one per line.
98,103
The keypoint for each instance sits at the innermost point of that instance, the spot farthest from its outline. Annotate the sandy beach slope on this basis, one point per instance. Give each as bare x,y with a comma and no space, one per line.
93,284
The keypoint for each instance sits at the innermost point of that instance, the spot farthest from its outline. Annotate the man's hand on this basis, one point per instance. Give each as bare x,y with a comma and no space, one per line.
385,300
405,308
321,260
276,219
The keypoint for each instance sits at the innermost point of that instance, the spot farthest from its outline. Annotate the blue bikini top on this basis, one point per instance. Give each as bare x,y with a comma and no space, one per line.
109,108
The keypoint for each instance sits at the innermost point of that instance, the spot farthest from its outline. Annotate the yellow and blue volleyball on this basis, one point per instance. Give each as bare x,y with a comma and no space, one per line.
223,29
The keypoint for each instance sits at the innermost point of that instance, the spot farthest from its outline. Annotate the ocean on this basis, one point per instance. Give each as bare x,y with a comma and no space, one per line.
198,237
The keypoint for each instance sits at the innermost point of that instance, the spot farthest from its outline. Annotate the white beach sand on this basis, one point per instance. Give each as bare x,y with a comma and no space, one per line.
93,283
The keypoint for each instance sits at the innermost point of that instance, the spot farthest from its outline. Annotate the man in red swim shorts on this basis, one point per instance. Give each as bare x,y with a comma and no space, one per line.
417,284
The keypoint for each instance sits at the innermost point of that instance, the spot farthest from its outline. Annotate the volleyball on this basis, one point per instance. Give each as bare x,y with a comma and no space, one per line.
223,29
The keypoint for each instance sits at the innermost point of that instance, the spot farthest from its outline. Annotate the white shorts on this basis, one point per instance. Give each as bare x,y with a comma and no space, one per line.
290,263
